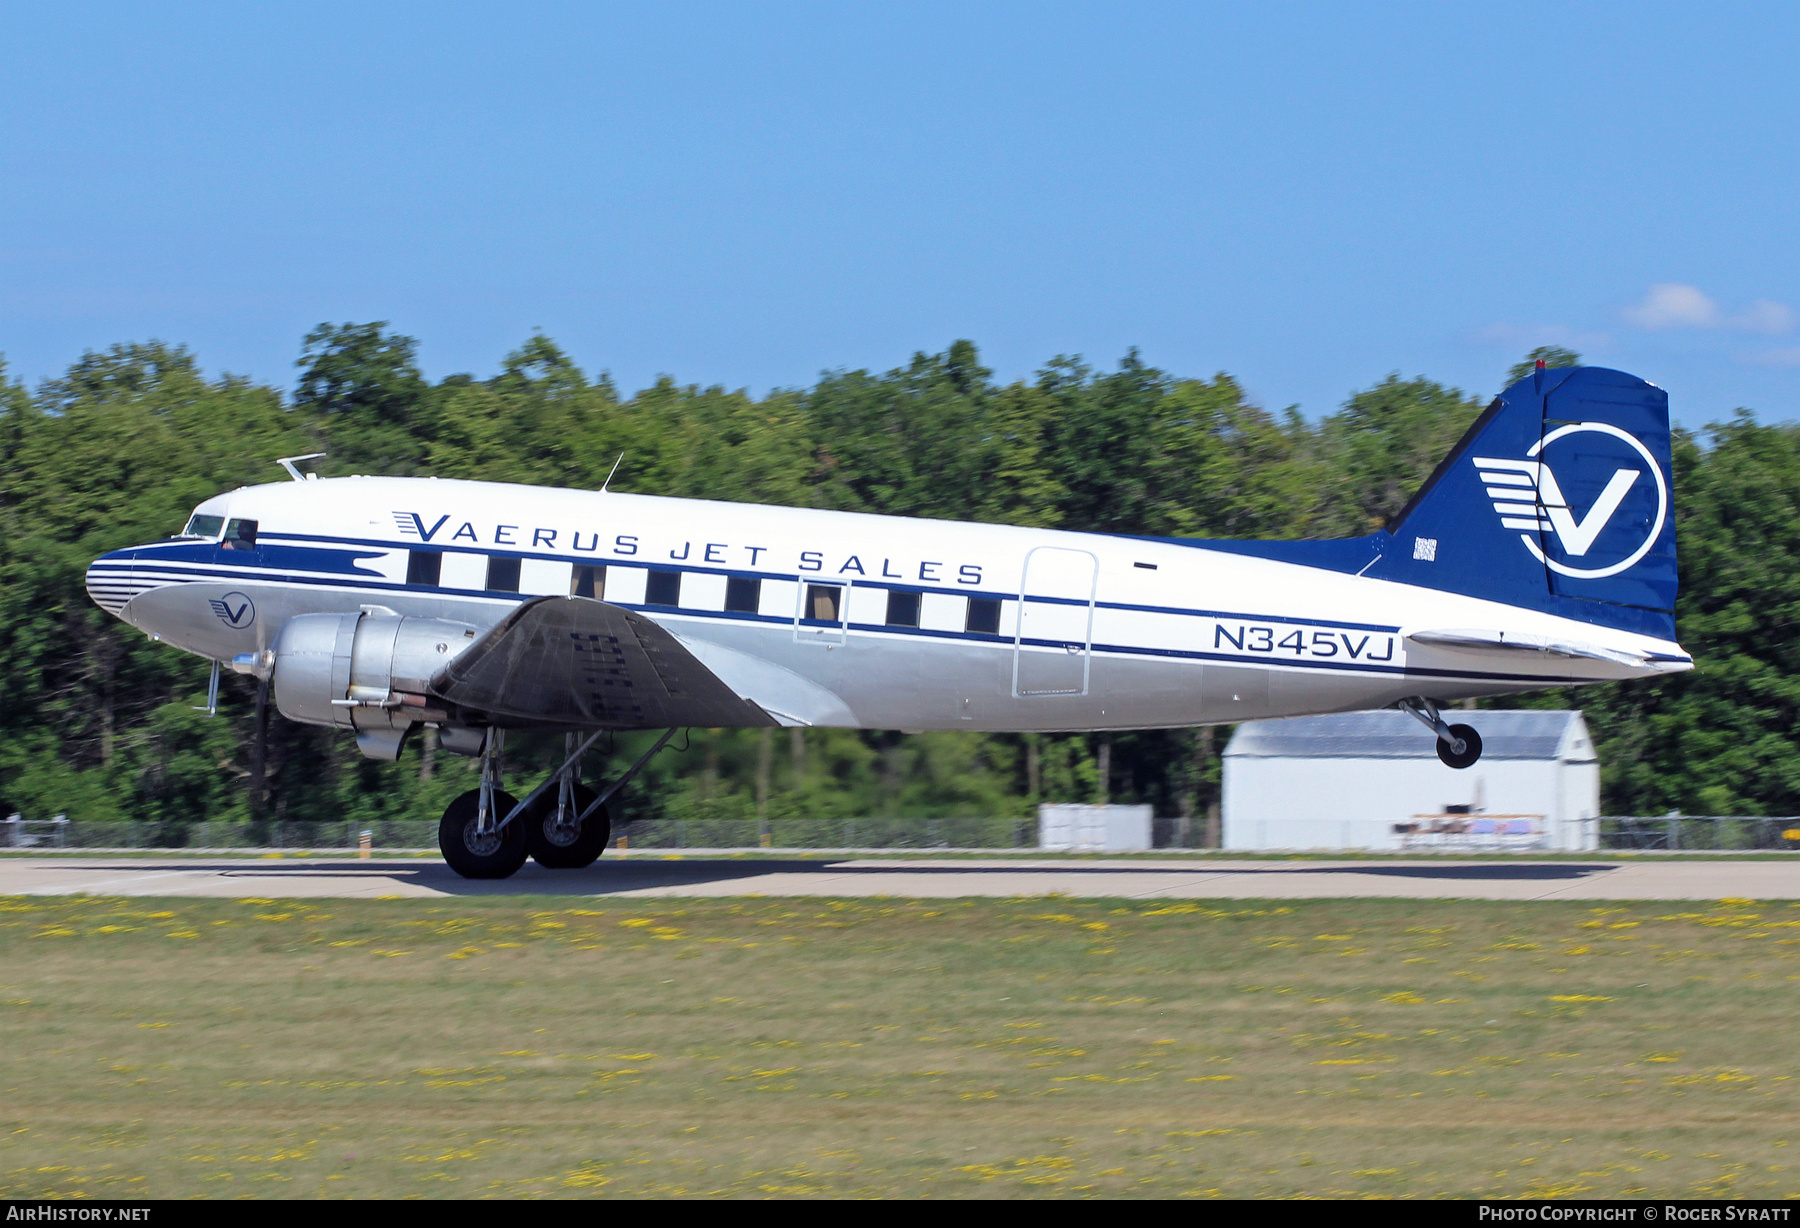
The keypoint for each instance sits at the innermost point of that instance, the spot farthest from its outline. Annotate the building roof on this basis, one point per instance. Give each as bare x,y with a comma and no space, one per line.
1391,734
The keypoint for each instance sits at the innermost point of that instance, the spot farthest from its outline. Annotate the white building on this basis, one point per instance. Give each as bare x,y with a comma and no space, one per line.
1372,780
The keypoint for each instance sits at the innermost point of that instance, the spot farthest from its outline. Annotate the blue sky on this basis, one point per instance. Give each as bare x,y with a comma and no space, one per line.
1306,195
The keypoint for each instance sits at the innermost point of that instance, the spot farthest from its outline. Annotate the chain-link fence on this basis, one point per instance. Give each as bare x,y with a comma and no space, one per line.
974,832
1699,832
863,833
72,834
857,833
1675,833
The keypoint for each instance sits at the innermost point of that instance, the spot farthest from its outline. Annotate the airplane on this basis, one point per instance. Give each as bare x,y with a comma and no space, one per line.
1541,552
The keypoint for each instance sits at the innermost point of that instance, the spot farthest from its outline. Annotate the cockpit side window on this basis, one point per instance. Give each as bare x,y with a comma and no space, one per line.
240,535
203,526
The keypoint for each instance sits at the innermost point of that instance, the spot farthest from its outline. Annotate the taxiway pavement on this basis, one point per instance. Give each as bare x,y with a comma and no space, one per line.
692,875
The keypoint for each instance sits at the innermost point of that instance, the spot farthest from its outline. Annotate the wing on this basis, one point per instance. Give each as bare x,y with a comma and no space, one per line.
576,661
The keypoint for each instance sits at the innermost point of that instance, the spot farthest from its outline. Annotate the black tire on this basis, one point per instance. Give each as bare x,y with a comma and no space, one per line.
569,854
1471,748
498,855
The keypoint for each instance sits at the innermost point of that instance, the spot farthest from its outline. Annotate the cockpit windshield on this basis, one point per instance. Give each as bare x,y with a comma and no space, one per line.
203,526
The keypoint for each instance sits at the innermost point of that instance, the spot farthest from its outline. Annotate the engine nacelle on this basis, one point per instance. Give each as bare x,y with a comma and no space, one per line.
364,672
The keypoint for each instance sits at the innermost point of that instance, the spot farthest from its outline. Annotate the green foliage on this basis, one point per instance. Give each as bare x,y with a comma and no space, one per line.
1549,355
100,723
118,451
1383,446
366,382
1724,739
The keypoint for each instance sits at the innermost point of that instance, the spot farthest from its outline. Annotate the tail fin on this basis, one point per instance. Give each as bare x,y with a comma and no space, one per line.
1559,498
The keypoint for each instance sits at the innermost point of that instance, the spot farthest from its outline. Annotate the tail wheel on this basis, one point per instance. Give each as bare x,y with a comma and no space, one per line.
566,848
473,854
1471,748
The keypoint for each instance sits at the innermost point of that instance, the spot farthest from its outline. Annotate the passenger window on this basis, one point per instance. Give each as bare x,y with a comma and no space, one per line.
984,616
823,601
588,580
743,595
240,535
903,609
503,575
203,526
663,588
424,567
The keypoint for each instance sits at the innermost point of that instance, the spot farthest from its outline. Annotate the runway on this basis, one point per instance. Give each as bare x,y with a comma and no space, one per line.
939,878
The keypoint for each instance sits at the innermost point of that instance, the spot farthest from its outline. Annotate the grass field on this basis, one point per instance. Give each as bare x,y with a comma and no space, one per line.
517,1046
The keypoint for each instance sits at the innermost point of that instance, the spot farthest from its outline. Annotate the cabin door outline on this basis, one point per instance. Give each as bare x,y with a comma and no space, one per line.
1056,610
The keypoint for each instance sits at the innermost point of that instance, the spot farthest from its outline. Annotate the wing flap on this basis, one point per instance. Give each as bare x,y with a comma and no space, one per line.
577,661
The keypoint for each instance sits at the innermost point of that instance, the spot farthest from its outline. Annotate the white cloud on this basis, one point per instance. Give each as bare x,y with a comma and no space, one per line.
1671,304
1765,316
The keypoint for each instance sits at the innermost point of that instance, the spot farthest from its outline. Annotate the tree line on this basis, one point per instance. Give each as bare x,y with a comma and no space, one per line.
100,724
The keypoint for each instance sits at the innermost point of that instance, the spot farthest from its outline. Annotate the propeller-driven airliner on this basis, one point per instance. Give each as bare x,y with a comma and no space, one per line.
1540,553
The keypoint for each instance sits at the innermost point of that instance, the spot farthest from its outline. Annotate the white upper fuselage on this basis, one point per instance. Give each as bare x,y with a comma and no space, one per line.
1016,628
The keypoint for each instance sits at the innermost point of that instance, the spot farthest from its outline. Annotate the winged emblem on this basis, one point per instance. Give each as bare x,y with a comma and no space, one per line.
233,609
1526,496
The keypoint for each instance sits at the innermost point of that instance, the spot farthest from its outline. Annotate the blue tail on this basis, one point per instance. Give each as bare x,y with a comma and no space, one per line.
1559,498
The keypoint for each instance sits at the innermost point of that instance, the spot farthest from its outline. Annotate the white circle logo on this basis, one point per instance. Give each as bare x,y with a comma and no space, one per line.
1662,503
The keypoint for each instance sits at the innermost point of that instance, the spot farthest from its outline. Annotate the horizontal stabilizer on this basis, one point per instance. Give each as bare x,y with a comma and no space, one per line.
574,661
1512,641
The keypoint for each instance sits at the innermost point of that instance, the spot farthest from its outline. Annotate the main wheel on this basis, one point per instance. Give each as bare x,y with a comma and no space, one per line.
566,848
496,854
1471,750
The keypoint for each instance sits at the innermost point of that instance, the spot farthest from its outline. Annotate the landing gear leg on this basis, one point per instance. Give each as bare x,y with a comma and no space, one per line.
486,833
559,838
472,835
562,842
599,802
1458,746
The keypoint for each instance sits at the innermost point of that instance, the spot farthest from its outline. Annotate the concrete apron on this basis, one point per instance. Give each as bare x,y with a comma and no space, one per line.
697,876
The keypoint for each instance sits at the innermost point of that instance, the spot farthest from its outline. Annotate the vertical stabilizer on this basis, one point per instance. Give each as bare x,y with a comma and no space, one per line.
1560,497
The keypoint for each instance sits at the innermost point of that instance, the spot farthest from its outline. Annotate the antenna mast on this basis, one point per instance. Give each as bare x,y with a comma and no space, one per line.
287,462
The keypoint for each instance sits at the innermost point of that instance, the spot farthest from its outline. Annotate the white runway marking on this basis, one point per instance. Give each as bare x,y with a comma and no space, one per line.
652,875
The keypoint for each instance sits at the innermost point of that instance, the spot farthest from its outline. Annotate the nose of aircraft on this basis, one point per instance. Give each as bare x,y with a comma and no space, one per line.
112,580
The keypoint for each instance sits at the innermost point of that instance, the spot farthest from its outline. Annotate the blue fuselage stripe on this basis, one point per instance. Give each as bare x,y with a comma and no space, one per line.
177,573
807,578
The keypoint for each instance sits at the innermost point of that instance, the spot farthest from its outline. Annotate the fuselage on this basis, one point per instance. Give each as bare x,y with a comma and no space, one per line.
881,622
